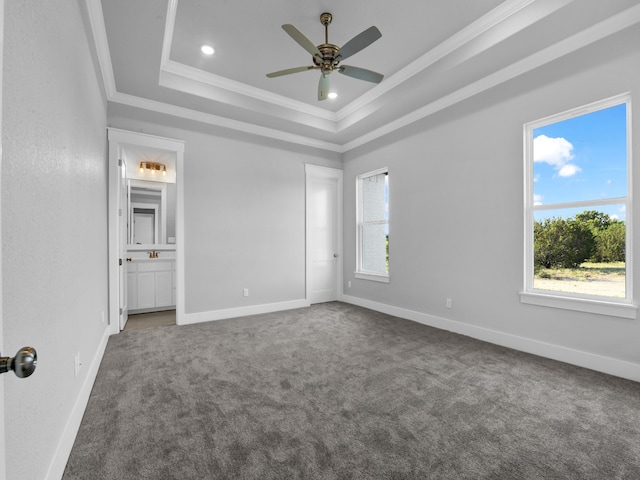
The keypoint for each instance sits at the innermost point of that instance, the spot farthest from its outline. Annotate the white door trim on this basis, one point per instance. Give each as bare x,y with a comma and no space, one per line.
117,138
318,172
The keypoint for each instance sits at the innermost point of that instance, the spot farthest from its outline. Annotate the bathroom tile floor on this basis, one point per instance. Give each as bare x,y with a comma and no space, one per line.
148,320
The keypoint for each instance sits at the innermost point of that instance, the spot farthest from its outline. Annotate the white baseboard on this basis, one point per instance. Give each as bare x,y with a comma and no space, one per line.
190,318
63,450
611,366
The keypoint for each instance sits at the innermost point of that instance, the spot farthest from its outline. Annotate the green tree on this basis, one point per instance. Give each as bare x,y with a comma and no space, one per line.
609,234
611,242
596,220
560,243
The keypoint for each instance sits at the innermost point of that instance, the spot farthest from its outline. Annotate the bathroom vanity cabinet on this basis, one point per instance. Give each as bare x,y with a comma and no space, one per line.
151,285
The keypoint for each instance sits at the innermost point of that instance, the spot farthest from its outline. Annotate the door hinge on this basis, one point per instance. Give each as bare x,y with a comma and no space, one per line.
119,212
120,262
120,311
119,162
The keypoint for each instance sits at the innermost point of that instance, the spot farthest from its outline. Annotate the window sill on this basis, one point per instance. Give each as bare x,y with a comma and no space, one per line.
375,277
600,307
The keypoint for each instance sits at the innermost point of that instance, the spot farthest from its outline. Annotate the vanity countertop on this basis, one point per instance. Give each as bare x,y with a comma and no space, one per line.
159,259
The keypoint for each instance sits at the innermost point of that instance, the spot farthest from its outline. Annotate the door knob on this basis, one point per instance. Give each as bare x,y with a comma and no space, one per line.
23,364
335,255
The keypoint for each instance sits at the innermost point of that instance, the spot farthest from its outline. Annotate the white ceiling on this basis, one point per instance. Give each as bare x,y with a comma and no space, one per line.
433,54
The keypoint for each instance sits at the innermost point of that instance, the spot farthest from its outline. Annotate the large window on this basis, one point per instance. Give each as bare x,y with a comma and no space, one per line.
578,209
373,226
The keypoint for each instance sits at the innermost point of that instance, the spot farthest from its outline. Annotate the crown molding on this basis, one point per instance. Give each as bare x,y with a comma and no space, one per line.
99,32
169,25
579,40
470,32
360,108
586,37
192,73
180,69
218,81
218,121
484,24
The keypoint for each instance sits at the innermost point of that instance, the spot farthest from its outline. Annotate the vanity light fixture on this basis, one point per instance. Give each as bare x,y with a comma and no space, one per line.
151,168
332,95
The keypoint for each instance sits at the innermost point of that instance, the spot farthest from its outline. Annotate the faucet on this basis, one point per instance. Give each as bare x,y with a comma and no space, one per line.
153,254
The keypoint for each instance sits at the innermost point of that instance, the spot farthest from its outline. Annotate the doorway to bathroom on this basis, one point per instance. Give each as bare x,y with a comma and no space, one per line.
144,237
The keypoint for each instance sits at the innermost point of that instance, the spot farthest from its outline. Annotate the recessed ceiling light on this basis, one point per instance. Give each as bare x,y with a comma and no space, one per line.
207,49
332,95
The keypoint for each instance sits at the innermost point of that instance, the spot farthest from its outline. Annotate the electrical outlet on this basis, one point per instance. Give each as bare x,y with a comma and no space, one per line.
449,303
245,292
349,284
103,316
77,364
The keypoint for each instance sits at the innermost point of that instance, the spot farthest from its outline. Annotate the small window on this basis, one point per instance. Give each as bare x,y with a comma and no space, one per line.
373,226
577,207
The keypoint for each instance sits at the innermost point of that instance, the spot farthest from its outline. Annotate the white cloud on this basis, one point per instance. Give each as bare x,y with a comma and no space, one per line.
554,151
557,152
569,170
614,216
537,199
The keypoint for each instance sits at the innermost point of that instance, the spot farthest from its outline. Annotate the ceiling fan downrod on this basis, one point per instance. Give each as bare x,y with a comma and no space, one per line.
328,50
326,19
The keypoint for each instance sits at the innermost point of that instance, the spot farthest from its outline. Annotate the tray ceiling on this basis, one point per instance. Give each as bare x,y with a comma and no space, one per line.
433,54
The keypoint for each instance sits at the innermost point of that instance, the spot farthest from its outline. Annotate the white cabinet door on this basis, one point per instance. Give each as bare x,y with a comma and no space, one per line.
164,290
151,285
146,289
132,290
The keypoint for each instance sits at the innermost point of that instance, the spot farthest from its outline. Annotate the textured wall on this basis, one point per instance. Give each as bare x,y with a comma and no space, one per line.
54,230
456,204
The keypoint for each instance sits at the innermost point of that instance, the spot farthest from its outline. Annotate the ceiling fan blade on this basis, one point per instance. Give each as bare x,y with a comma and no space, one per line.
289,71
359,42
323,87
302,40
361,73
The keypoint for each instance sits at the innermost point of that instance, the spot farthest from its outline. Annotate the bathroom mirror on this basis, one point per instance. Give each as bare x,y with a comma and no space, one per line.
151,214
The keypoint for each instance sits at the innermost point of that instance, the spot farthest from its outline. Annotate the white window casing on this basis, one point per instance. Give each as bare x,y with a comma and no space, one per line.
604,305
372,226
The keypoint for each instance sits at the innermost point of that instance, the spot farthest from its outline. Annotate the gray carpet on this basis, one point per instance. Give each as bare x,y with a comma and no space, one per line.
340,392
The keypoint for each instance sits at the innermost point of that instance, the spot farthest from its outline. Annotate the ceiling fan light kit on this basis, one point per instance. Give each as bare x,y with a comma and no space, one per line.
327,57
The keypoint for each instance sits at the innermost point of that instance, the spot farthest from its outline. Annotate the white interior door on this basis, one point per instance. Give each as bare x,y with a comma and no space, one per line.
123,217
324,234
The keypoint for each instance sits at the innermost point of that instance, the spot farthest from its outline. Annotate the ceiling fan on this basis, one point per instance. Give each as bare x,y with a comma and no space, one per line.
327,57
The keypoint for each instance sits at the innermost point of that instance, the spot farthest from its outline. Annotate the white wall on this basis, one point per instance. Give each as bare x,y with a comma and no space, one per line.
456,210
54,228
244,205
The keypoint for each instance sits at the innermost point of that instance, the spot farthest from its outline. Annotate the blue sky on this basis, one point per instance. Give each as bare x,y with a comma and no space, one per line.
582,158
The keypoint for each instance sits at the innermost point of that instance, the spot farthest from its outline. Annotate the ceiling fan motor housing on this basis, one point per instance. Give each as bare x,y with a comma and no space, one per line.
329,61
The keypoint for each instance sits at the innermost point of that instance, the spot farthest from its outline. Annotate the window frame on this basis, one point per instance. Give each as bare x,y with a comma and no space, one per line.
359,271
618,307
